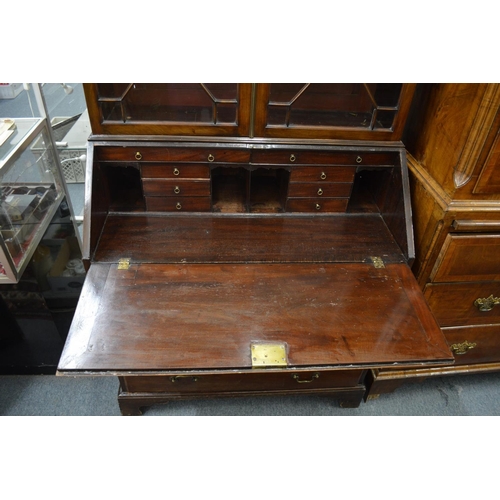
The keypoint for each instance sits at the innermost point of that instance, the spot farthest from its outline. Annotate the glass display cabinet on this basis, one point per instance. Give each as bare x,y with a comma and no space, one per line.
31,185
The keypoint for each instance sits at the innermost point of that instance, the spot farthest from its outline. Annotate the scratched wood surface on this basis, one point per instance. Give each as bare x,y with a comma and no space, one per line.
204,316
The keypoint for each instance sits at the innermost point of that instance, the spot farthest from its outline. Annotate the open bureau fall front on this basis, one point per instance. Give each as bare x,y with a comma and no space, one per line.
230,254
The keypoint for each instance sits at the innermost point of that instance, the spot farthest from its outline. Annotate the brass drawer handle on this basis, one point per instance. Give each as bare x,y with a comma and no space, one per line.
211,157
292,158
177,189
318,206
138,155
178,206
359,159
320,192
322,176
463,347
487,304
176,378
295,376
176,171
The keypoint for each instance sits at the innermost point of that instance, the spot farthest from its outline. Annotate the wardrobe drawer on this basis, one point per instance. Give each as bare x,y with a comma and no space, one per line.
474,344
316,204
175,171
460,304
314,189
323,174
250,381
470,257
291,157
178,204
142,153
175,187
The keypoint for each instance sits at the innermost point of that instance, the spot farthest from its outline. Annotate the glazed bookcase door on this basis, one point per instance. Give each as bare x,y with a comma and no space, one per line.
169,108
352,111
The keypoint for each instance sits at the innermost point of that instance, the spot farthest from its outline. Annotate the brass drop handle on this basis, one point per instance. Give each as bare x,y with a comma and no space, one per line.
176,378
292,158
176,171
463,347
211,157
138,155
320,192
487,304
322,176
296,377
318,206
177,189
178,206
359,159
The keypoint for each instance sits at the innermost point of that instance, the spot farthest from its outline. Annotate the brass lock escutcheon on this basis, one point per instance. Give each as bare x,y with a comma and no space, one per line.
292,158
296,377
487,304
359,159
322,176
176,171
318,206
463,347
211,157
178,206
177,189
138,155
320,192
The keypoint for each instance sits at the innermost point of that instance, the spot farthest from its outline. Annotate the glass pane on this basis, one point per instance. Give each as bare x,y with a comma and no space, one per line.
169,102
29,188
348,105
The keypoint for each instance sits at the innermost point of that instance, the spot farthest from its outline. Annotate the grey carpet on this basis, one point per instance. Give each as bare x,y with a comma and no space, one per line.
46,395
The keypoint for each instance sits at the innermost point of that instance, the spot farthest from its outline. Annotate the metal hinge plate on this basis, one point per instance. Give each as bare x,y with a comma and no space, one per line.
378,263
123,264
268,355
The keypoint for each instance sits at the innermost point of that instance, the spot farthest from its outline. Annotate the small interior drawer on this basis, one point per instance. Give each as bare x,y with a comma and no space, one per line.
176,187
474,344
178,204
315,189
456,304
316,204
175,171
323,174
468,257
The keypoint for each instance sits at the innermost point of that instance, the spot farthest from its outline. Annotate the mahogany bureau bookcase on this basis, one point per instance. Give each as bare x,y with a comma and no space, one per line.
453,141
248,239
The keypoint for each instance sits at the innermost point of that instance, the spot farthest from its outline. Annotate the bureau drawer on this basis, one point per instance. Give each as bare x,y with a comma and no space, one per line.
468,257
314,189
178,204
175,187
175,171
141,153
324,157
250,381
316,204
323,174
454,304
474,344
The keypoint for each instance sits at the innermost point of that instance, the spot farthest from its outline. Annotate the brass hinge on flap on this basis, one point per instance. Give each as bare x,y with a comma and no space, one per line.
123,264
268,355
378,263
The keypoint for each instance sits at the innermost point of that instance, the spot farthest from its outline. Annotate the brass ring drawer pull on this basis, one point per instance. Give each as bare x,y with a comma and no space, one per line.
178,206
318,206
359,159
177,189
211,157
138,155
176,171
462,348
176,378
322,176
487,304
292,158
295,376
320,192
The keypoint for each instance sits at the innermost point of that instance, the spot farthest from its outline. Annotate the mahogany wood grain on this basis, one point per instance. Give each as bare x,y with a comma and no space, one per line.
178,203
204,316
175,171
176,187
316,204
312,189
322,174
251,238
